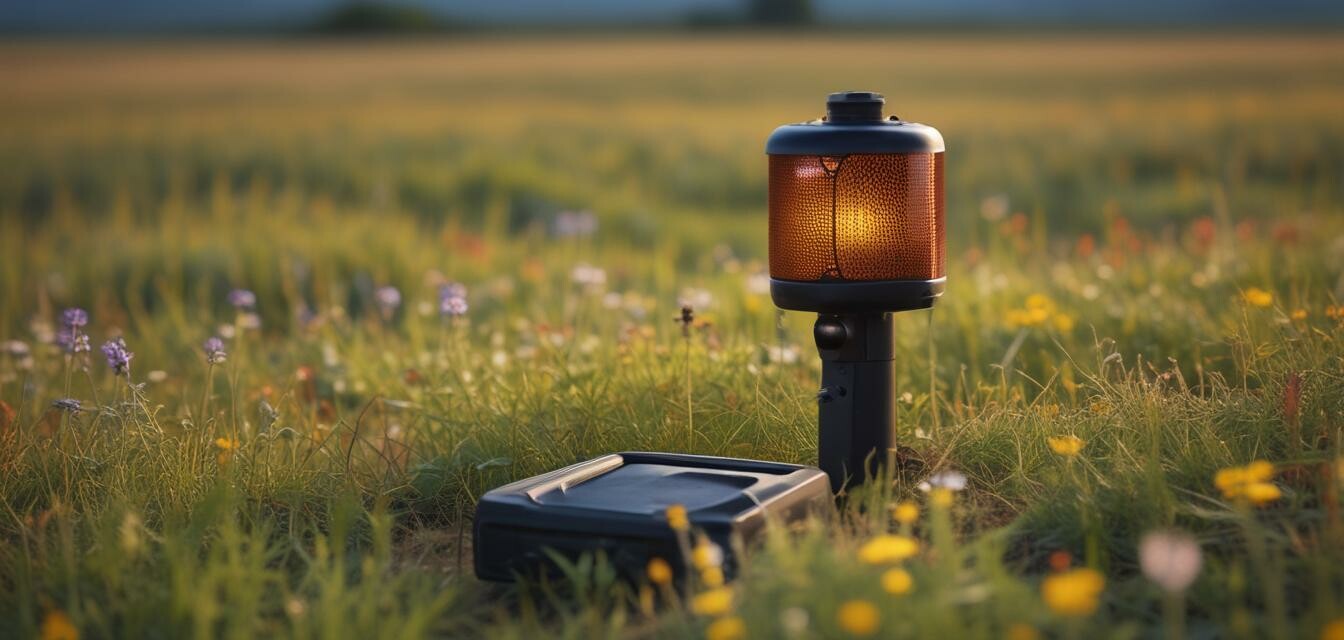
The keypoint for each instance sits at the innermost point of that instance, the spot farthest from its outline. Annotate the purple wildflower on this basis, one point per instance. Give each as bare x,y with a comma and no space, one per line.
68,404
73,340
242,299
118,357
574,224
70,337
388,299
214,350
452,300
453,307
74,317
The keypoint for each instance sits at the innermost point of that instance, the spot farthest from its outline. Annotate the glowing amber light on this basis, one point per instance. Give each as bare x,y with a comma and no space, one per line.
857,217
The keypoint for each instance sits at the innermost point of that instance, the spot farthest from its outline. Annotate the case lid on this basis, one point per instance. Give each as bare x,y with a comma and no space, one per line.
617,503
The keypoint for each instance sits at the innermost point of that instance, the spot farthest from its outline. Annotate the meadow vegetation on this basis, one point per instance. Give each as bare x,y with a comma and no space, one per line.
437,266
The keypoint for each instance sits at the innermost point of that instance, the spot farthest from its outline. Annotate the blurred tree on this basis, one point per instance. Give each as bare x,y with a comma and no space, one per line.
780,12
379,17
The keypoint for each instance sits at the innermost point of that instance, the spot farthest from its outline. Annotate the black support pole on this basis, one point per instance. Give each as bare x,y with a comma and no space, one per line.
857,411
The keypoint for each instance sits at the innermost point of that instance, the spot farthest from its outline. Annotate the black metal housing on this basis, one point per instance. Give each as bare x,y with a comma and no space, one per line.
616,504
856,296
856,412
854,124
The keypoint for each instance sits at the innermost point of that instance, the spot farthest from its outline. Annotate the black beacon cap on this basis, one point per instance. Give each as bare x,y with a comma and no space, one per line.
854,124
616,504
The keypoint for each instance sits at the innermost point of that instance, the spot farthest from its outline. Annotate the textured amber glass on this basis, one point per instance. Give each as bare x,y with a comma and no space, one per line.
857,217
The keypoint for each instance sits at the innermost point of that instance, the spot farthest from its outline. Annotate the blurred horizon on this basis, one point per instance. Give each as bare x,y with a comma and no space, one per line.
139,17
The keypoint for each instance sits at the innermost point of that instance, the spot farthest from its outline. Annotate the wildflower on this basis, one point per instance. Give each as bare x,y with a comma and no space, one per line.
676,518
994,208
71,336
242,299
15,348
1257,297
686,318
888,548
1063,322
214,350
1299,314
388,299
706,554
1171,559
1333,630
698,298
907,512
712,576
949,479
1067,446
118,357
1039,308
858,617
72,340
1021,631
1073,593
758,283
75,317
794,621
897,581
574,224
68,404
588,276
452,300
659,571
1249,483
57,626
714,602
729,628
226,448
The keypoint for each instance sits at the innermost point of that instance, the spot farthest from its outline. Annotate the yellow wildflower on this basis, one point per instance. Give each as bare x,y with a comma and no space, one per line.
730,628
1333,630
941,497
1064,322
1073,593
659,571
226,448
1022,631
1067,446
714,602
1015,318
888,548
1250,483
712,576
897,581
1257,297
907,512
858,617
676,518
57,626
1299,314
706,554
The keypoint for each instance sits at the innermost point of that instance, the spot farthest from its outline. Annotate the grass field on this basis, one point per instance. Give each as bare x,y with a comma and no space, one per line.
1146,235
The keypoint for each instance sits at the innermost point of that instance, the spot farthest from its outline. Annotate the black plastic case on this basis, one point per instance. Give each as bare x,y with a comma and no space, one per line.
616,504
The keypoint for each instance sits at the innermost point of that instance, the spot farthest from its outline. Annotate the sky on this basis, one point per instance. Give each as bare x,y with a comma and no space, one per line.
130,16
